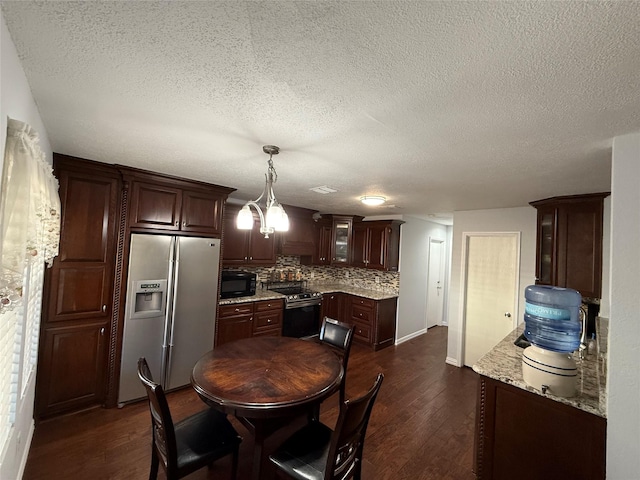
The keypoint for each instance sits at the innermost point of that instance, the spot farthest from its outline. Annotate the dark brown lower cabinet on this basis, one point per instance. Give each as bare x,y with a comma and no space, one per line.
332,306
235,322
72,367
374,320
523,435
250,319
267,318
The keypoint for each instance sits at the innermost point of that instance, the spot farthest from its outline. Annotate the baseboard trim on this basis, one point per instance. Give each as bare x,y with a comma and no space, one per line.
410,336
452,361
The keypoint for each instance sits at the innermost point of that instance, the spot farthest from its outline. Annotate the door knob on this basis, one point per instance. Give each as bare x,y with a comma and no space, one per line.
508,315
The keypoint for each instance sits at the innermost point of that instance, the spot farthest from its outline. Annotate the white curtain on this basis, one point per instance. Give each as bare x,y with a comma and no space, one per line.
29,212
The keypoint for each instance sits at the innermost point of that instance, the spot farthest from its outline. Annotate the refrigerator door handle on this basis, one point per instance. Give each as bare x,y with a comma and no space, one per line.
168,315
174,288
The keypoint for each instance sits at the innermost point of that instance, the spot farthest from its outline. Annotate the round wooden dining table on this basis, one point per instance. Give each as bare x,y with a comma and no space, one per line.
266,381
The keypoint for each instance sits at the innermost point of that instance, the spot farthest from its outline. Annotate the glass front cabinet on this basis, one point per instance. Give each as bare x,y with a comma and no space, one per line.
341,242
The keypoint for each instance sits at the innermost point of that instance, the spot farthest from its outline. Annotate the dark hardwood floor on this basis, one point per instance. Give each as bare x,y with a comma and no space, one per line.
422,424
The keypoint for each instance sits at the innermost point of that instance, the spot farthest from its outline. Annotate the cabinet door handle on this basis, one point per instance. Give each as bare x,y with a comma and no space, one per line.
184,224
104,309
237,309
250,258
102,331
268,320
177,223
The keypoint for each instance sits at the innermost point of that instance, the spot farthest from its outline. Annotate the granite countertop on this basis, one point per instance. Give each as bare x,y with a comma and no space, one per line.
504,363
260,295
327,287
322,287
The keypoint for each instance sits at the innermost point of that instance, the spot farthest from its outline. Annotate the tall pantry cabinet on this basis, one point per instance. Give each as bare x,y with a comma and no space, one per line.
84,291
77,306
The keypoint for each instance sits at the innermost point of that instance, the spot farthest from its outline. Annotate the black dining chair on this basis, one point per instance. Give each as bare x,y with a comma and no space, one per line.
338,336
315,452
190,444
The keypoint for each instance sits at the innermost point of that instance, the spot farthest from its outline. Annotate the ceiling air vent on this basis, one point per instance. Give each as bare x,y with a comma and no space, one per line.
323,190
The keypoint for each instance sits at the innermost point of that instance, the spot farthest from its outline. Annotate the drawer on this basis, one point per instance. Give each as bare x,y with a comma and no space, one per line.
267,319
237,309
269,305
268,332
363,302
361,314
362,332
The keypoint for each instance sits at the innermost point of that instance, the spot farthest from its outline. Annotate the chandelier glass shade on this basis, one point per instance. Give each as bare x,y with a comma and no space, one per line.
272,216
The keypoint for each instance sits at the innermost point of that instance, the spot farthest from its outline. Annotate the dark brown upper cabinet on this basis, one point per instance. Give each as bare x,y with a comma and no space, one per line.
300,238
322,231
168,203
245,247
376,245
569,242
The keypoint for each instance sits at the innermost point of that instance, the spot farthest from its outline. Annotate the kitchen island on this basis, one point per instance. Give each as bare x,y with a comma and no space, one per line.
525,434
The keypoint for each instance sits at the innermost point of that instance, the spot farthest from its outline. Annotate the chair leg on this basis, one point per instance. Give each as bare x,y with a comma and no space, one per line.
357,473
314,414
342,394
155,463
234,464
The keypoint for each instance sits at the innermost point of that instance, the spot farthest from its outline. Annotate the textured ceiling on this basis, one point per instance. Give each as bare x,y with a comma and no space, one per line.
439,106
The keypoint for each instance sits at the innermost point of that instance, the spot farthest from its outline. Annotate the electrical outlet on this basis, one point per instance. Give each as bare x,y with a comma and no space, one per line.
346,274
377,279
311,275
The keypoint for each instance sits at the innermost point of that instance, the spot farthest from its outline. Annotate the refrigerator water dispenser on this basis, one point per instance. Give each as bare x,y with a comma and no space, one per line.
150,298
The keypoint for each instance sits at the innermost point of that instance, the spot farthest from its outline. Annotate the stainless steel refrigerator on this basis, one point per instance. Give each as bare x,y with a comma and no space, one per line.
170,310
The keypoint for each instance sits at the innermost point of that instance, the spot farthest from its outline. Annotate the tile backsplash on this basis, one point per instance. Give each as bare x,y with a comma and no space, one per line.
357,277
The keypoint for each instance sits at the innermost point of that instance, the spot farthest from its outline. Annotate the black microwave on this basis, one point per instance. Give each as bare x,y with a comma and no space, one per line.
237,283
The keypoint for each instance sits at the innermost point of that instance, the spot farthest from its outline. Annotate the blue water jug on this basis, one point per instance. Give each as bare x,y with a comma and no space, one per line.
552,317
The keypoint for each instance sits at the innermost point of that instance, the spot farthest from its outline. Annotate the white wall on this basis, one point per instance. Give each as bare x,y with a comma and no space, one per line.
521,219
414,260
605,300
17,102
623,405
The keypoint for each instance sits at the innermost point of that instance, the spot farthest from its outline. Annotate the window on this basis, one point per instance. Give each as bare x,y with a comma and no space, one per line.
9,364
29,237
29,321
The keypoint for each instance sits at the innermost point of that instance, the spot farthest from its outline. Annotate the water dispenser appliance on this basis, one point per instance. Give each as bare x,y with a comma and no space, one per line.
553,327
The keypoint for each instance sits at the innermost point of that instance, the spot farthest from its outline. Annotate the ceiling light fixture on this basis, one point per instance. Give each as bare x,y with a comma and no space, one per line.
373,200
276,218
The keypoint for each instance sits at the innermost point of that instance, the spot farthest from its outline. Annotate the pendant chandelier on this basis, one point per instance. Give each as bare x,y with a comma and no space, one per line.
274,218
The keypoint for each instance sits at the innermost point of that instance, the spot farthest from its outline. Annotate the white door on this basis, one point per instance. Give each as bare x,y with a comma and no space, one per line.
435,283
490,291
